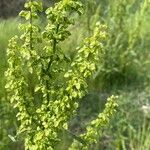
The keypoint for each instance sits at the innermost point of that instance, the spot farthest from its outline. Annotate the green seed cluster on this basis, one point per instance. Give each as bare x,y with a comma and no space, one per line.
43,83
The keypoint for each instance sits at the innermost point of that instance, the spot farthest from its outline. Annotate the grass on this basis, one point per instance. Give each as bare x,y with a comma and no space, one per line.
8,28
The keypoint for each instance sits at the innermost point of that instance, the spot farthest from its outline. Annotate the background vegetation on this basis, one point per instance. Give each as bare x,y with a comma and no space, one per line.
123,71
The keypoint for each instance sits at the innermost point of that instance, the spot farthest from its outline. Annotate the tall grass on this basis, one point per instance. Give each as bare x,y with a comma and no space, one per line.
8,28
123,59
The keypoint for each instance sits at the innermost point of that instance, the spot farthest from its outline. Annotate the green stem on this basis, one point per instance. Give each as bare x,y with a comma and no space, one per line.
54,49
31,31
51,59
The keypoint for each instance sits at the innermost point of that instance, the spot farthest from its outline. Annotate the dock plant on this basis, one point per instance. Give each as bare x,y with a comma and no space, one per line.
44,84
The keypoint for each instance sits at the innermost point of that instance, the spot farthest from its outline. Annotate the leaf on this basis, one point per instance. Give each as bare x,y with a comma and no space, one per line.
25,14
12,138
66,75
78,86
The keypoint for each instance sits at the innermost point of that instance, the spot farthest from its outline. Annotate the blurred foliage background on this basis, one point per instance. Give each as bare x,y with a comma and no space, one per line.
124,71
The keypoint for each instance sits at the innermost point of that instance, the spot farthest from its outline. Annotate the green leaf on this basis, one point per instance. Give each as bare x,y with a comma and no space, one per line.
12,138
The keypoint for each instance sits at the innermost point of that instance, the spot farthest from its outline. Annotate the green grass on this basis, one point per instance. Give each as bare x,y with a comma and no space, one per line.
8,28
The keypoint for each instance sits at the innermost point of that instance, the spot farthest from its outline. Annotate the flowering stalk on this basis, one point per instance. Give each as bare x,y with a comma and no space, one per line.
43,83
